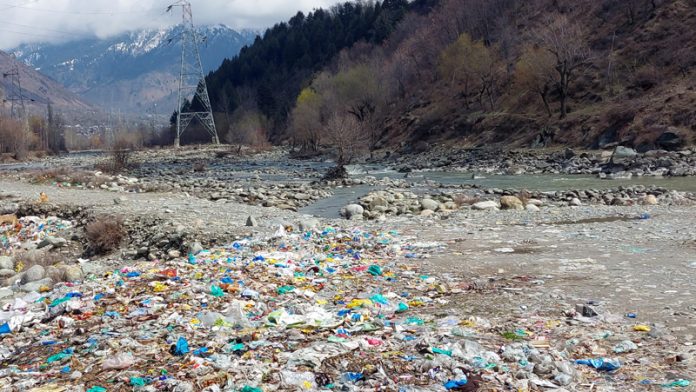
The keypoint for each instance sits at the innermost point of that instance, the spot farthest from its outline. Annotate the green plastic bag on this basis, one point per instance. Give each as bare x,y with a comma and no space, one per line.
216,291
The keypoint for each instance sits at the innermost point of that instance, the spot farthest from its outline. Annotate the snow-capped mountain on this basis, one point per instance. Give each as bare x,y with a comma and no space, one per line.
133,72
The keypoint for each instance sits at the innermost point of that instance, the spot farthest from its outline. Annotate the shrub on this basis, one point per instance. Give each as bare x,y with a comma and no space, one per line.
465,200
199,167
105,234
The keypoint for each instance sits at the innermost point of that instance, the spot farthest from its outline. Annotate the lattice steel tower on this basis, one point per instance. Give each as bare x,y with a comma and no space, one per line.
16,93
191,80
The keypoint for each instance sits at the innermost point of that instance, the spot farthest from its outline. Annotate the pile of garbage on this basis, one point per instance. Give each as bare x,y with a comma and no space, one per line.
29,232
333,309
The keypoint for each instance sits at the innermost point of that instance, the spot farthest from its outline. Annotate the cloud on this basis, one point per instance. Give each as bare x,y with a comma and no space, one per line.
30,21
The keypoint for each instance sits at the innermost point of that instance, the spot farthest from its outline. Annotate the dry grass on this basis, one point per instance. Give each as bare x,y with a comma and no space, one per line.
25,260
524,196
105,234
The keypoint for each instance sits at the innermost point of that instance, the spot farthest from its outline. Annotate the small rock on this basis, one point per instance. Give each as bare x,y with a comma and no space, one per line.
38,285
426,212
429,204
532,208
6,293
511,203
6,263
575,202
308,224
174,254
586,310
196,248
251,221
56,242
33,274
485,205
120,200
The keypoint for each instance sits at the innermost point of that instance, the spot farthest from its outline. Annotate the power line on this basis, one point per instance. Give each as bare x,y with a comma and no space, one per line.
37,28
24,7
24,33
16,6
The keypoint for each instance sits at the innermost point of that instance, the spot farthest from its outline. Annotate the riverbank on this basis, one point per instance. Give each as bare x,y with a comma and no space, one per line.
495,298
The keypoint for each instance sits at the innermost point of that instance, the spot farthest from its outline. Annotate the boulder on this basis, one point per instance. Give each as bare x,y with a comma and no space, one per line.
426,212
378,201
33,274
352,211
38,285
302,196
623,155
429,204
73,272
650,200
55,273
174,254
575,202
511,203
486,205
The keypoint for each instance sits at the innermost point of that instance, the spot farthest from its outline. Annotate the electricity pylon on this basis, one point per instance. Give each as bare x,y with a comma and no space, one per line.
191,80
16,94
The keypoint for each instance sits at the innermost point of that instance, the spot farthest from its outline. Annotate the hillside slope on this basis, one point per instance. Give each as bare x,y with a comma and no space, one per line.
37,89
517,73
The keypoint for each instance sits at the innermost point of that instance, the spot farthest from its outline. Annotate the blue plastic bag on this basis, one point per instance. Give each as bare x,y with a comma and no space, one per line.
604,364
452,384
181,347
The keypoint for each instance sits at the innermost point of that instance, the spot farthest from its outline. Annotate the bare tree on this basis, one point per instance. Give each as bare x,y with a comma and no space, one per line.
565,40
346,136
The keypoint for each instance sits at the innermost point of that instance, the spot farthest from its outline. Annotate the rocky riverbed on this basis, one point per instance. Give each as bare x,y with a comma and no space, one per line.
427,287
619,162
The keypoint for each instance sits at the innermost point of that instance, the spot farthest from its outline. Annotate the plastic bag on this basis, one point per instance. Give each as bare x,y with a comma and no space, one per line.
119,362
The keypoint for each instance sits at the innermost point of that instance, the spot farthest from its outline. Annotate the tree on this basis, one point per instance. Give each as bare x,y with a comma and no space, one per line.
56,131
14,137
565,40
249,127
347,137
306,120
473,66
534,73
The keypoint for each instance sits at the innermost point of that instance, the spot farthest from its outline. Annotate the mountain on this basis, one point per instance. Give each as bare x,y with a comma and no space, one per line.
135,72
37,89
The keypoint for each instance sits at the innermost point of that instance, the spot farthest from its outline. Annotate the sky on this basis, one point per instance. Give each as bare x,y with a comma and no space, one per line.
31,21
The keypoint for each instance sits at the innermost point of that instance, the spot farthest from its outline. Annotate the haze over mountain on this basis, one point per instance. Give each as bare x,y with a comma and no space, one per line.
135,72
37,89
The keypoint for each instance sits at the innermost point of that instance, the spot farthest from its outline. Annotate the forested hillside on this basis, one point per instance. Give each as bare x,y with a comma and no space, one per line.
515,72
